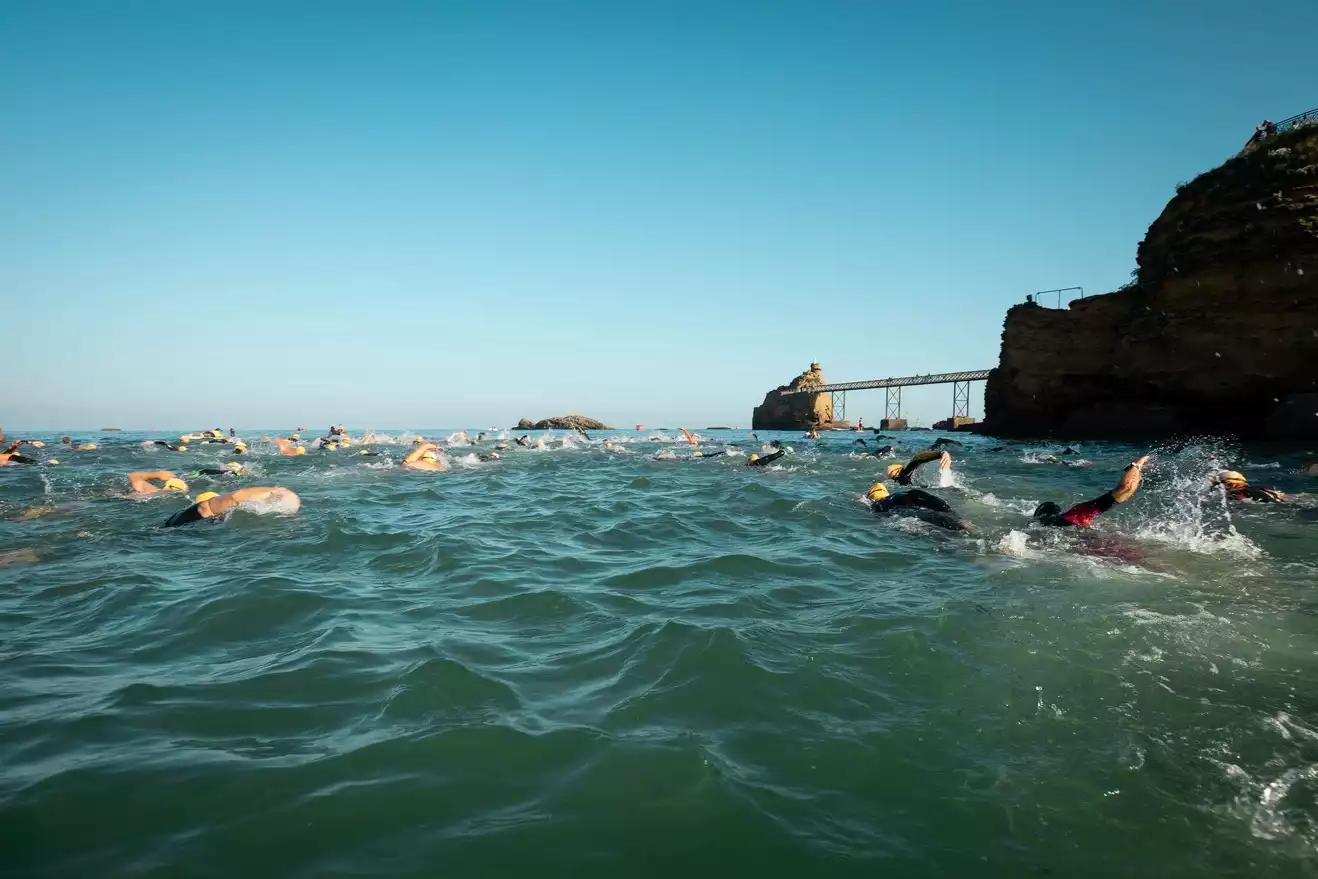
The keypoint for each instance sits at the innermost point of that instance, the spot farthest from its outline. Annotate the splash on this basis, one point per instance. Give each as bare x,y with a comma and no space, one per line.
1180,508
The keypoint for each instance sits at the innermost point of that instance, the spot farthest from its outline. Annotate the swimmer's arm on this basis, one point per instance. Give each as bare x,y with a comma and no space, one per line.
416,453
1130,480
923,458
141,480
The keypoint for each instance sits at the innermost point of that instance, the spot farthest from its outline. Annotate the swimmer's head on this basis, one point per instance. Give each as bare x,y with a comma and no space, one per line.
428,456
239,448
877,492
180,448
894,470
207,495
1230,478
234,467
1046,510
175,485
53,461
295,437
753,458
89,447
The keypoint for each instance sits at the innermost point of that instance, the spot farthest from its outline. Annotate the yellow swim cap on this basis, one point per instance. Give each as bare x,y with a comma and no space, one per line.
175,485
240,447
90,447
299,451
234,466
53,461
1232,478
206,495
296,436
877,492
182,449
753,457
894,470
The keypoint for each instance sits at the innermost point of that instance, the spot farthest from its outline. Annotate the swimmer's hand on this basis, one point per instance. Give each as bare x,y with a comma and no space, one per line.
945,461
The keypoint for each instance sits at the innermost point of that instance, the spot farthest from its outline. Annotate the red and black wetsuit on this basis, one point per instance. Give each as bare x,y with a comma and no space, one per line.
1082,514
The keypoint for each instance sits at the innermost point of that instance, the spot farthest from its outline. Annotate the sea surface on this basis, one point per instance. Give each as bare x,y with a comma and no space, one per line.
579,660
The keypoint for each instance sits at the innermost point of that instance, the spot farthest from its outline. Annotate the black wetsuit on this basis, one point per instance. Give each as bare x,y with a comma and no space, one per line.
185,517
921,505
16,458
767,459
704,455
214,471
1250,493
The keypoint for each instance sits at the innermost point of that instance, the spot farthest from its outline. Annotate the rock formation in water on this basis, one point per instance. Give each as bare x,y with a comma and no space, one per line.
1218,333
563,422
781,411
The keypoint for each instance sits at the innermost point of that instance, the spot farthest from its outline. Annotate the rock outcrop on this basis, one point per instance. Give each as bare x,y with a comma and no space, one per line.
1218,333
781,411
563,422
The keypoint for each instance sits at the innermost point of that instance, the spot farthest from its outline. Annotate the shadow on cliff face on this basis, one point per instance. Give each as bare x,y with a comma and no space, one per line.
1218,334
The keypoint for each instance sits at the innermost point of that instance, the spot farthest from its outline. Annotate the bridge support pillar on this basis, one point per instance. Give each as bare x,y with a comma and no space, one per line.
961,399
892,404
840,406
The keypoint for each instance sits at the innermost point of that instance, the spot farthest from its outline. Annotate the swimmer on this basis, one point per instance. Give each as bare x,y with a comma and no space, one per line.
943,442
367,453
491,456
1084,514
903,475
171,446
288,449
233,468
524,441
918,504
240,448
1238,488
424,457
813,434
703,455
211,505
11,455
764,460
691,438
144,482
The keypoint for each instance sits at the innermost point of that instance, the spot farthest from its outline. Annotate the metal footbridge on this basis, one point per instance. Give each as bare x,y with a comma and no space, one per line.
960,382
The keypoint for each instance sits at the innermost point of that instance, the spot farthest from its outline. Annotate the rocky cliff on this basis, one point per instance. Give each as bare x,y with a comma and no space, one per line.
1218,333
781,411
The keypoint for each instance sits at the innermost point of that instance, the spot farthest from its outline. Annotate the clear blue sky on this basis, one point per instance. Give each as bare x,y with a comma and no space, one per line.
423,214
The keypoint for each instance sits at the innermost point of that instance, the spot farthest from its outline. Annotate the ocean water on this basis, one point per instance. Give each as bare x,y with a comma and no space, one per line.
579,660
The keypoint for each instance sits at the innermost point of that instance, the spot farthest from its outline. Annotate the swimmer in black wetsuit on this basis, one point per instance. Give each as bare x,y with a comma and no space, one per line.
11,455
233,468
524,441
902,474
173,448
210,505
763,461
1085,513
1238,488
916,503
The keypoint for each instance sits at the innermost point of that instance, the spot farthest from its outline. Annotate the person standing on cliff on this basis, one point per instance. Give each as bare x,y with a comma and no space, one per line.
1085,513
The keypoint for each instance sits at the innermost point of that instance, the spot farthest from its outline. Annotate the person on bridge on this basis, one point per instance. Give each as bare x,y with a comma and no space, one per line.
918,504
902,473
1084,514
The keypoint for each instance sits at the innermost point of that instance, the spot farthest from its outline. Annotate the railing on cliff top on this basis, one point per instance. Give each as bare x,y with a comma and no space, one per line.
1298,119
